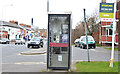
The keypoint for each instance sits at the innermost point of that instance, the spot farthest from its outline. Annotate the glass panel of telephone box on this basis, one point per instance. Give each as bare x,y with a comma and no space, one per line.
58,40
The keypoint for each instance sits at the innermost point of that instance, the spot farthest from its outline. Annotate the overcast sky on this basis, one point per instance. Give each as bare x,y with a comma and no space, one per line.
23,10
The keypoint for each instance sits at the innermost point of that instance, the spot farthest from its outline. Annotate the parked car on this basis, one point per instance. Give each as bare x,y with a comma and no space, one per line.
91,42
19,41
4,41
76,42
35,41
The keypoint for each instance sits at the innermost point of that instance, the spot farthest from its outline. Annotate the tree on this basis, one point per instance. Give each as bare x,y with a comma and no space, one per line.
93,23
92,26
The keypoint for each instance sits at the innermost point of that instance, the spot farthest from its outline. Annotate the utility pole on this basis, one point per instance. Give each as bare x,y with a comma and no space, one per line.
47,5
2,17
113,36
86,35
119,27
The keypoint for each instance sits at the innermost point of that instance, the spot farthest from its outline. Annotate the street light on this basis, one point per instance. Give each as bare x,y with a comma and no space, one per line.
2,16
47,5
86,35
2,26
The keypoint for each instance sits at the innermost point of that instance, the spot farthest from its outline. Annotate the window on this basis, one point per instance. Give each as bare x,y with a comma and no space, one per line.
108,31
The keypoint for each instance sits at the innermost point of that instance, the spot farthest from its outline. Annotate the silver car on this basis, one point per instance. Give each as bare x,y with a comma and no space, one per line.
35,41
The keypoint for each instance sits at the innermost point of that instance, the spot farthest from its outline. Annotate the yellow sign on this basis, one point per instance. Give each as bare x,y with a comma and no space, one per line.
106,10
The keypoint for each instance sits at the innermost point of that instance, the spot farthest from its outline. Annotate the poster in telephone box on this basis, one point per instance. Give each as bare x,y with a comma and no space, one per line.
59,41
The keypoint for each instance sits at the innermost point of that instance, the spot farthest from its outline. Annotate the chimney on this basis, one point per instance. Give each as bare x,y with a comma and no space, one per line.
32,21
103,1
12,22
16,22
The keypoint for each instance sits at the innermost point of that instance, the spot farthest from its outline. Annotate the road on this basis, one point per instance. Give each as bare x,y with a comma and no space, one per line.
98,54
13,61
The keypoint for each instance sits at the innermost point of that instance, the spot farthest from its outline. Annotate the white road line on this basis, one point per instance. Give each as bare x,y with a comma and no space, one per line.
26,63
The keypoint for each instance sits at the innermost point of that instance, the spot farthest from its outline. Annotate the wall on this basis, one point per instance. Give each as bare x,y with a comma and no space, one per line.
12,32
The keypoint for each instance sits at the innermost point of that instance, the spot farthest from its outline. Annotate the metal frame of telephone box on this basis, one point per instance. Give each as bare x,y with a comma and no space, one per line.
69,51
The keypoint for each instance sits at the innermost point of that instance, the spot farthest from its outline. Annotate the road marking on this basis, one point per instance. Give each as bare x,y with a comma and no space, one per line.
83,49
31,54
92,49
26,63
29,63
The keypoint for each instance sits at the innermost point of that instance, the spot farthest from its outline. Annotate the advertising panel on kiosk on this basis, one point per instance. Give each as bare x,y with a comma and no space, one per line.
59,40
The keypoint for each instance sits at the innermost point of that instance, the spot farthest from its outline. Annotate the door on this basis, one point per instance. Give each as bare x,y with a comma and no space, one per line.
59,41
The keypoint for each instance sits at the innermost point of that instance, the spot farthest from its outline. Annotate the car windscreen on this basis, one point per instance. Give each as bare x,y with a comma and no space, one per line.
35,39
89,39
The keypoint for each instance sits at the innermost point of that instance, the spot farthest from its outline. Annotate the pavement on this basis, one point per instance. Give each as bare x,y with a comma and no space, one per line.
34,52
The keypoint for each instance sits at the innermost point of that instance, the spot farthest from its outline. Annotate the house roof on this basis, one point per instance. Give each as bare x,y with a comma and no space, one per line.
42,29
3,30
9,24
26,28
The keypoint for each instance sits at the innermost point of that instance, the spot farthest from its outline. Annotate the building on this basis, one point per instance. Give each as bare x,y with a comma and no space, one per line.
27,30
3,33
106,31
10,29
43,33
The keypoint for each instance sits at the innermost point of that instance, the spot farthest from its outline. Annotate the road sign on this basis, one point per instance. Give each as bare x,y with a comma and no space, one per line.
111,26
106,10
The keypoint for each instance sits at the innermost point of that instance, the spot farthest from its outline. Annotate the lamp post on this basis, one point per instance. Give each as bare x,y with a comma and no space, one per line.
2,16
86,35
47,5
2,28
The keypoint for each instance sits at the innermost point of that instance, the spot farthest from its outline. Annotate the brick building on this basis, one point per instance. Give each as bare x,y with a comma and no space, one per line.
43,32
10,29
4,33
106,31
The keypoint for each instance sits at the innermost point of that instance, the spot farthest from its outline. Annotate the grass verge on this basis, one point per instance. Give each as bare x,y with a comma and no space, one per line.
73,44
96,66
98,45
116,49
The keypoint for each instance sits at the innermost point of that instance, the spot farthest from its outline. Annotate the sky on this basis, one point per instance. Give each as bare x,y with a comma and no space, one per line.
23,10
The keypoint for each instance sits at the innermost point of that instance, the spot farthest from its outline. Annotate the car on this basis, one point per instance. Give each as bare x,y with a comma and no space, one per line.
4,41
76,42
91,42
35,41
19,41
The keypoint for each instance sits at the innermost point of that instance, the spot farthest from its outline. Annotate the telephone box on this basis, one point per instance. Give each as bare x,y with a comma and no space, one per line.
59,41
